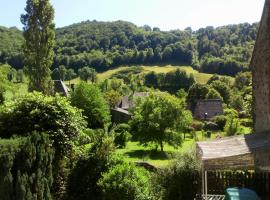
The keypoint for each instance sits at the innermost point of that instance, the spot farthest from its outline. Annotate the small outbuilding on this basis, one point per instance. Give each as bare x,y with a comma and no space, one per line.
244,152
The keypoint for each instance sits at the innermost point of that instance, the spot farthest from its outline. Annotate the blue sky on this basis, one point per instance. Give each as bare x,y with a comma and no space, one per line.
165,14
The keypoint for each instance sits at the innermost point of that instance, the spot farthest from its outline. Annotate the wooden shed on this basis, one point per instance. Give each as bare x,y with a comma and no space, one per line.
244,152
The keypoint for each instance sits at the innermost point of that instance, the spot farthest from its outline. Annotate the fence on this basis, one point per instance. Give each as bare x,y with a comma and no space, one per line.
220,180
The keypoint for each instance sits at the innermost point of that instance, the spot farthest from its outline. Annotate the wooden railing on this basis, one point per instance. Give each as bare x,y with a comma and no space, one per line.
219,181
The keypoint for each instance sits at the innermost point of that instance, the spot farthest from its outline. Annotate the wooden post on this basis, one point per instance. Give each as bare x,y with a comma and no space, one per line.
205,178
202,181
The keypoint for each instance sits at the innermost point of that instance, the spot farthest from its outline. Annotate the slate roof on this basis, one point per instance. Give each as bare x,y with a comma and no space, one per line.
213,107
129,101
237,152
60,87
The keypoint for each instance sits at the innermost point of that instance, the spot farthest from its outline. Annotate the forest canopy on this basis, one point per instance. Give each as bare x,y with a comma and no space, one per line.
103,45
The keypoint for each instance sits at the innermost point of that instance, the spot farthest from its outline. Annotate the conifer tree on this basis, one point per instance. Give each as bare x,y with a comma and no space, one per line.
39,34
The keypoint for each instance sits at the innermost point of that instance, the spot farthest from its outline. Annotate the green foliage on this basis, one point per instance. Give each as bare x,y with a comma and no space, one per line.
213,94
36,112
171,81
87,73
230,112
88,97
237,102
223,89
197,125
178,181
220,121
198,91
156,118
112,97
39,34
26,168
125,181
210,126
232,126
242,80
121,135
82,182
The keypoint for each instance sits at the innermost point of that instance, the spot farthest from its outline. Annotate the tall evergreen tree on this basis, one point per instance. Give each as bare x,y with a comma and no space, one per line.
39,34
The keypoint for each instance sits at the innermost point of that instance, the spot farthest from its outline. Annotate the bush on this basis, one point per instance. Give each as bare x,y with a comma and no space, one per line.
88,97
220,121
82,181
232,126
36,112
230,112
197,125
53,115
246,122
121,135
210,126
125,181
179,181
26,168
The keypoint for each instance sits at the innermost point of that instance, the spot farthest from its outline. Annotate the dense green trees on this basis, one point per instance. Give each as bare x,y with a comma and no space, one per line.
171,81
39,37
102,45
26,168
88,97
156,119
87,73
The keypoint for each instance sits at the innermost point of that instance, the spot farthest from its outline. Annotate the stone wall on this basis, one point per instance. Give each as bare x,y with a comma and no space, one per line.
260,65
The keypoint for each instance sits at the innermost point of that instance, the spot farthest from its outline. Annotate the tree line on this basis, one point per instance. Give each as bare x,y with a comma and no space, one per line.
103,45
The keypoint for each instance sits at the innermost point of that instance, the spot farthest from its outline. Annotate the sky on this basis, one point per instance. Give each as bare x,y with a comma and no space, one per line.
165,14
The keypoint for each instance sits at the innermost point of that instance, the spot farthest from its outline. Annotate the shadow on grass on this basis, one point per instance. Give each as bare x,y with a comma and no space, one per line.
151,154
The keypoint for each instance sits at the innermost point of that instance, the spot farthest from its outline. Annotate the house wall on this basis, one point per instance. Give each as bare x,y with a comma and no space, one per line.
260,65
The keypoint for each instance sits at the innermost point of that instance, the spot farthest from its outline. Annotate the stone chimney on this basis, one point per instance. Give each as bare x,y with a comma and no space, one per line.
260,65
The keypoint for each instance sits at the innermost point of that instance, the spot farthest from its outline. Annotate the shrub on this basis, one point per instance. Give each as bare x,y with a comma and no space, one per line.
220,121
53,115
82,181
88,97
26,168
232,126
230,112
125,181
197,125
36,112
179,181
121,135
210,126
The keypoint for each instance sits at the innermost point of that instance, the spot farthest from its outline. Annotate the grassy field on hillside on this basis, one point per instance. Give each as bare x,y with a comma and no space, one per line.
200,77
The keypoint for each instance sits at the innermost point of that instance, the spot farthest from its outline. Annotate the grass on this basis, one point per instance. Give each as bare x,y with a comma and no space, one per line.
199,77
135,152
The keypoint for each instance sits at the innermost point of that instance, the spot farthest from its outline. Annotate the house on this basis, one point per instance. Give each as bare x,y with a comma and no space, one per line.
61,88
121,114
206,109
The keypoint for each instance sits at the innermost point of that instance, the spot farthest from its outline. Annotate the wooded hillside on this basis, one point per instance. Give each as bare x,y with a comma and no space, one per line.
103,45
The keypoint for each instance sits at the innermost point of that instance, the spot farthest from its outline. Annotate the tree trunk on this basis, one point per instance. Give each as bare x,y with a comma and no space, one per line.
161,145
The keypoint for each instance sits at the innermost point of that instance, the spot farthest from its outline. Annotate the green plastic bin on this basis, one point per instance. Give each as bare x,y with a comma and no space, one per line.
240,194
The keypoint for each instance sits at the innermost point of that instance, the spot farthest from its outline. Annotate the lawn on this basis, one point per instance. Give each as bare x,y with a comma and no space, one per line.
135,152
